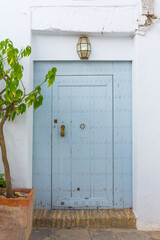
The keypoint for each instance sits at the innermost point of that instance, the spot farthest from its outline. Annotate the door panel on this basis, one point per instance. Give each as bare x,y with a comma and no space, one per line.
82,167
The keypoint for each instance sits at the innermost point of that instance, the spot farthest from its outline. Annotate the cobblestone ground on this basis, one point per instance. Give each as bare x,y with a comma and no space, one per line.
91,234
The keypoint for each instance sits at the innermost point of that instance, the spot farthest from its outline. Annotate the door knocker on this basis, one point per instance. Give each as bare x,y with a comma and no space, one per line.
62,130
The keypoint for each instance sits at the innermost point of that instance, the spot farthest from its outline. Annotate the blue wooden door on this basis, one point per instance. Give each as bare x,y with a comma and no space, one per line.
91,166
82,163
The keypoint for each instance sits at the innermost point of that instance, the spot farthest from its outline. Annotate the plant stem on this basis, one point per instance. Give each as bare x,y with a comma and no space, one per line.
4,159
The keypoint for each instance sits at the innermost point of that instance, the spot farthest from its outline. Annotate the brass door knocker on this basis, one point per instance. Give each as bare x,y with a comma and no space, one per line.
62,130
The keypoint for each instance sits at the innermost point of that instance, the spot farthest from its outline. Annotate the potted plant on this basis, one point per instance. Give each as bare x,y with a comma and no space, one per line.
16,213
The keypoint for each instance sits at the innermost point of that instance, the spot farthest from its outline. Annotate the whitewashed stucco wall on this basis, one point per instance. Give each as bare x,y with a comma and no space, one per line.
15,24
64,48
52,25
146,130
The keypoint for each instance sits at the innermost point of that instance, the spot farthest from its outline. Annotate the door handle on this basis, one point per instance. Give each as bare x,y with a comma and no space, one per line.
62,130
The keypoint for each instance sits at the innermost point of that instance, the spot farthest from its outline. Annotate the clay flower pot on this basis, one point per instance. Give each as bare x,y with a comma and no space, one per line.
16,216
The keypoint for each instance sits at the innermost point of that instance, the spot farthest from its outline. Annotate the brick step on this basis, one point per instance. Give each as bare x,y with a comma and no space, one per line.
113,218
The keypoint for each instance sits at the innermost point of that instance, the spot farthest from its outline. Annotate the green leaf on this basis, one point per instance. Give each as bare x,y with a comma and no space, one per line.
2,180
26,99
51,76
26,52
6,96
1,102
19,94
13,115
21,108
29,104
38,89
38,102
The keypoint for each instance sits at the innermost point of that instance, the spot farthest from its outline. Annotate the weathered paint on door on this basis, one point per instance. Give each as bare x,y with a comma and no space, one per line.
90,167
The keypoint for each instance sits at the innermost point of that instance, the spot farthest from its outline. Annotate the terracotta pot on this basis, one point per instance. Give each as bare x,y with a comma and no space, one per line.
16,216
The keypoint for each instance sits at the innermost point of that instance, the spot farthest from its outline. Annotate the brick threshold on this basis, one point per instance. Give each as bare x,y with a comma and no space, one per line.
112,218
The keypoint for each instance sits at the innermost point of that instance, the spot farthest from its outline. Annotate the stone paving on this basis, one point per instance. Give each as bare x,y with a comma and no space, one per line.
91,234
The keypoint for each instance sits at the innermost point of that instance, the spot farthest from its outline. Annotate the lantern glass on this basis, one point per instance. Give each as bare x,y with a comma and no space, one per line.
83,48
84,54
88,53
78,47
80,55
83,40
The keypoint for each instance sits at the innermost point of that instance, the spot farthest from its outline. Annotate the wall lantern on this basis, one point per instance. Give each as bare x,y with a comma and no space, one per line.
83,47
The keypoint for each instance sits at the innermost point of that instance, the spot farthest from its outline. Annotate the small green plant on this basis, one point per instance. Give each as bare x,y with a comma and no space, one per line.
14,99
2,181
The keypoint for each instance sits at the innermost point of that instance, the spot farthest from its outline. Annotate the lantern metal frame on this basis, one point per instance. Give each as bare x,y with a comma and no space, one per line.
84,48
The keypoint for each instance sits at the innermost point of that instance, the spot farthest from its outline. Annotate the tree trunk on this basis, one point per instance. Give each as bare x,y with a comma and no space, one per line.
9,190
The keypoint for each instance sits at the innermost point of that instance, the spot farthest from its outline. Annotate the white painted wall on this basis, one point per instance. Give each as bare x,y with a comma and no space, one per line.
82,19
146,129
15,24
52,47
109,25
